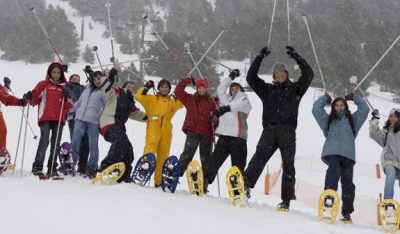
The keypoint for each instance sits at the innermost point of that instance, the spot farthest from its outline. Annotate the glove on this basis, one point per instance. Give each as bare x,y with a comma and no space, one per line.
7,82
88,70
292,52
65,67
329,99
234,73
112,74
28,96
22,102
349,96
265,51
192,80
221,110
66,93
375,114
149,84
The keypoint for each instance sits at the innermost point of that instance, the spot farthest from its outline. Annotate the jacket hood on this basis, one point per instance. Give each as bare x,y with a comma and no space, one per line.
51,67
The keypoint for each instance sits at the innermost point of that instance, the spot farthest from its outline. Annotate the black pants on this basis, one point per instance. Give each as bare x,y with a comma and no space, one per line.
226,145
45,128
121,150
193,140
84,152
340,167
282,137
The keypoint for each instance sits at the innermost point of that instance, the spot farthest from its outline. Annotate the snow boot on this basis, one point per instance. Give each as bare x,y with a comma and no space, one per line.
283,206
346,219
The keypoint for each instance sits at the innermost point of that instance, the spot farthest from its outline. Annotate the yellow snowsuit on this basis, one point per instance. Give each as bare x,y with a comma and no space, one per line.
159,110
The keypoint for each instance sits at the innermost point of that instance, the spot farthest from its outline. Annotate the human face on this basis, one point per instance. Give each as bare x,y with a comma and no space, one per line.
131,88
393,119
339,106
97,81
202,90
234,90
164,89
280,76
55,74
76,79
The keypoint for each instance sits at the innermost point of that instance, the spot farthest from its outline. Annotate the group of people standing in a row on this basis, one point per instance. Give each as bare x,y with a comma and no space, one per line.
102,108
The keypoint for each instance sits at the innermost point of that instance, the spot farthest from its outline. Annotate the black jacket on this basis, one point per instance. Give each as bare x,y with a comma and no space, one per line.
280,101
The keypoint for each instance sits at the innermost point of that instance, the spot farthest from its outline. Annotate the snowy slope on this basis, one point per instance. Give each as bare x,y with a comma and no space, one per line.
42,206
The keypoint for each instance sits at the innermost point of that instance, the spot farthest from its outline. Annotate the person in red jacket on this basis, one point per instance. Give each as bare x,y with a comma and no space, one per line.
7,100
50,95
197,126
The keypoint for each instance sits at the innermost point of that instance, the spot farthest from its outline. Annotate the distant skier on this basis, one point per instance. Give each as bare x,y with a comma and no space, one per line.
119,107
388,137
340,129
160,109
197,125
232,127
281,101
88,109
49,95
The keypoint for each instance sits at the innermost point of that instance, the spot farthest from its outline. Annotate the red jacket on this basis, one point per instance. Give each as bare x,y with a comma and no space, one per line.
7,99
48,96
198,112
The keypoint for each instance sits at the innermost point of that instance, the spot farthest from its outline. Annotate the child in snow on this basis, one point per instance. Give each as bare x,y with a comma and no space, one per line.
119,107
232,127
160,109
50,95
389,138
197,125
340,129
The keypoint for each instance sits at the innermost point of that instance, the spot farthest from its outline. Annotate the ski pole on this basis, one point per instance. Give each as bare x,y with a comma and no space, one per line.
376,64
98,58
366,99
213,131
24,146
288,20
112,59
30,127
19,138
315,53
215,61
208,50
172,55
47,35
272,22
194,62
57,134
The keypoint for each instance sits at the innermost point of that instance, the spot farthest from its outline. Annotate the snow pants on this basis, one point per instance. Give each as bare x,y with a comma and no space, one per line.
3,132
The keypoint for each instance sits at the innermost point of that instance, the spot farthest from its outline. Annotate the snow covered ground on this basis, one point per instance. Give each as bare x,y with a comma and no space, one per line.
75,205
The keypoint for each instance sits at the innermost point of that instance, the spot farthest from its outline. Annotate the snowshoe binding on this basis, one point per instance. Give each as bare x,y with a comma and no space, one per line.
144,169
170,174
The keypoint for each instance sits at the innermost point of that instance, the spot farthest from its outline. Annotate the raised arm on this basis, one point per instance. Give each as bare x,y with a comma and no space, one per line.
180,92
375,133
320,114
307,74
222,88
256,83
361,114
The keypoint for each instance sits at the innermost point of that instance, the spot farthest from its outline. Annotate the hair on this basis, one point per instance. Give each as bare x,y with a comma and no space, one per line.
334,117
163,82
126,84
92,76
208,96
72,76
235,84
396,127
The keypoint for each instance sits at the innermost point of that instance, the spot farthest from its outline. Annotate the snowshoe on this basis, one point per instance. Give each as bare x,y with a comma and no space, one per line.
328,205
170,174
195,178
67,160
346,219
235,185
5,159
54,175
40,175
110,175
91,173
144,169
283,206
389,214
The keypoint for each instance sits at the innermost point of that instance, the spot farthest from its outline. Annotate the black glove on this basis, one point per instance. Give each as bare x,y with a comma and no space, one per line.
88,70
375,114
28,96
22,102
112,74
222,110
234,73
349,96
149,84
66,93
292,53
192,80
65,67
265,51
7,82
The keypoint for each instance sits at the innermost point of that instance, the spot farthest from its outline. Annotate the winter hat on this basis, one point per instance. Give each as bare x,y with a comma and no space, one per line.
202,83
279,66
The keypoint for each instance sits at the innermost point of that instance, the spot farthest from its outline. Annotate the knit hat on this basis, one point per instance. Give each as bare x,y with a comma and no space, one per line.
202,83
279,66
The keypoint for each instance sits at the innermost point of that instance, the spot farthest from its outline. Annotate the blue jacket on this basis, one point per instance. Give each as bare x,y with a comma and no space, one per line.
90,105
340,138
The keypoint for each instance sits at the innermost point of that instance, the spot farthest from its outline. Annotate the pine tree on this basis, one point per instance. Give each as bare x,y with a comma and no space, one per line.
88,55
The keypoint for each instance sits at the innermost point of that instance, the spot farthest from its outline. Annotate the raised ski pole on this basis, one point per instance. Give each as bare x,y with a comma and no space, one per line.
19,138
47,35
172,55
215,61
315,53
95,48
191,57
272,22
112,59
377,63
207,51
24,146
30,127
288,20
56,142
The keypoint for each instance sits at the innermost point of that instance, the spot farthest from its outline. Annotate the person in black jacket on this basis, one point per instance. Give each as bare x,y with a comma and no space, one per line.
281,101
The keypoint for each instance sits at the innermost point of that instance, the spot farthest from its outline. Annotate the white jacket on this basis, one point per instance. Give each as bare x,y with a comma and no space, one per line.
233,123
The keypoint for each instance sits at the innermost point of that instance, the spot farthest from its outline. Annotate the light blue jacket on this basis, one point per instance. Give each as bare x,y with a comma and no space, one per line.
340,138
90,105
